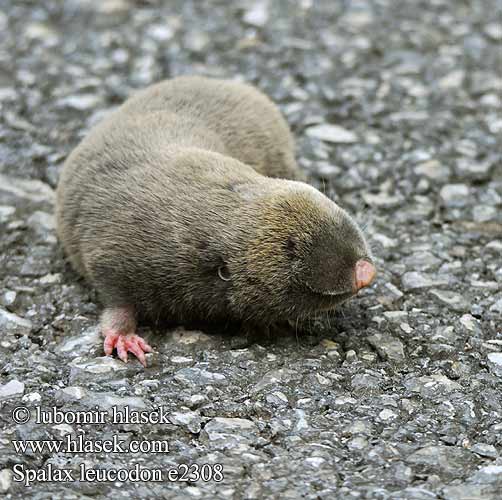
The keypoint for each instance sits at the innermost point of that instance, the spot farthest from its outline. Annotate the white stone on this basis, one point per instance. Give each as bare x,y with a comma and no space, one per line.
382,199
9,297
72,393
494,30
188,337
181,360
495,363
406,327
101,365
81,343
50,279
488,474
5,480
454,195
495,245
452,80
5,212
32,397
227,425
160,32
257,15
11,389
497,307
10,322
33,190
322,380
385,241
314,462
386,415
80,102
433,170
394,290
63,429
41,221
414,280
469,322
331,133
395,315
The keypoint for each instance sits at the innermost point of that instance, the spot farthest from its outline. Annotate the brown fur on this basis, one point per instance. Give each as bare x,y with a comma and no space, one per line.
183,203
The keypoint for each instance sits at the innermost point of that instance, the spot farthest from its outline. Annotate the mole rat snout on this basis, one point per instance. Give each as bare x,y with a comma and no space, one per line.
364,273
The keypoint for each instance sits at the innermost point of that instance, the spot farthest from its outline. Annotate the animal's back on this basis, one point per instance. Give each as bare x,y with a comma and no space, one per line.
248,124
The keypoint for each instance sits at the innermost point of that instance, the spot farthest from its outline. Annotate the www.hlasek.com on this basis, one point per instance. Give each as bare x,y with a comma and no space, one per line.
79,444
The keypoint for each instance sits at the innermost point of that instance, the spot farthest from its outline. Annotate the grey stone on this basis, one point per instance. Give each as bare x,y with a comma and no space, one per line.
81,345
394,290
433,170
198,376
281,376
471,492
483,213
13,324
468,169
422,260
485,450
71,394
365,382
417,493
497,306
229,432
453,300
488,474
432,386
190,420
41,222
82,370
449,460
388,348
414,280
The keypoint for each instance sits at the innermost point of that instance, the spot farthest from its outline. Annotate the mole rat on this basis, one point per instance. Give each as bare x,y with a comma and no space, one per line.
186,203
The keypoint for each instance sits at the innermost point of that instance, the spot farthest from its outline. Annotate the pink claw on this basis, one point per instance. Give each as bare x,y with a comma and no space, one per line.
126,343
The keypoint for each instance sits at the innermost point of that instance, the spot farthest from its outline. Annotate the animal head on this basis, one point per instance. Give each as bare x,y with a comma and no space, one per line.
305,255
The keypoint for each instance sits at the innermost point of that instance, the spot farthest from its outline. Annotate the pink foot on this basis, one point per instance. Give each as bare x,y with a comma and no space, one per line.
118,325
126,343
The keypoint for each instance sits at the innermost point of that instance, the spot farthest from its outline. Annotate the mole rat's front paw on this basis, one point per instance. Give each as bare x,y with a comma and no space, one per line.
118,325
126,343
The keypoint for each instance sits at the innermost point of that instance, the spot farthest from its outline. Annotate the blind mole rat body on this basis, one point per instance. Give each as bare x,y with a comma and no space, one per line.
186,203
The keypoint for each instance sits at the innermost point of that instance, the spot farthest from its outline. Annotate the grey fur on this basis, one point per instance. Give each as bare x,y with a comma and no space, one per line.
193,180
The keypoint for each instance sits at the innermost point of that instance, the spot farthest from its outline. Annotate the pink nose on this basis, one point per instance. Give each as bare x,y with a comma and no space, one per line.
365,273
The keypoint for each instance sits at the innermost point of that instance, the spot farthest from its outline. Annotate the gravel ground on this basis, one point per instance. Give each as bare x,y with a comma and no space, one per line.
396,107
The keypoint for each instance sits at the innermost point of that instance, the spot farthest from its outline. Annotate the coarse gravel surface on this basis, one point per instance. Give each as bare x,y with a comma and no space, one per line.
396,107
